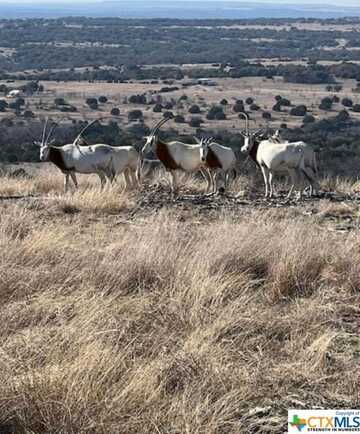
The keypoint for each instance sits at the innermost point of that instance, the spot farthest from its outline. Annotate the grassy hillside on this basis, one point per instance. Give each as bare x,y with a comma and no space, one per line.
129,313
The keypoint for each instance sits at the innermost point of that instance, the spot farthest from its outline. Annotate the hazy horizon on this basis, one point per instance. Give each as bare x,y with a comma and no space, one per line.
347,3
185,9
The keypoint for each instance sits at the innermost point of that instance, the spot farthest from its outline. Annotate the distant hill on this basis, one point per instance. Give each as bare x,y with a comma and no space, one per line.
164,9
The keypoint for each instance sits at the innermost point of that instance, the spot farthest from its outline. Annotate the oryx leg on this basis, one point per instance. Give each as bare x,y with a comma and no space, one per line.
102,179
127,179
66,181
74,180
271,178
208,178
174,182
265,172
294,176
134,177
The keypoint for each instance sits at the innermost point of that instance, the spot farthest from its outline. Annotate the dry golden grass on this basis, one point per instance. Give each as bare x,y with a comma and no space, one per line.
159,324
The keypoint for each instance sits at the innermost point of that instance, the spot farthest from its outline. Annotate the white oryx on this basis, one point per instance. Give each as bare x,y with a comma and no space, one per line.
126,160
104,160
220,160
273,158
72,159
177,156
309,159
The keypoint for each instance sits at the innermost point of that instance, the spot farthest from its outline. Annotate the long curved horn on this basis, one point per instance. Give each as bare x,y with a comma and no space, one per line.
155,126
159,125
52,129
247,119
83,130
44,130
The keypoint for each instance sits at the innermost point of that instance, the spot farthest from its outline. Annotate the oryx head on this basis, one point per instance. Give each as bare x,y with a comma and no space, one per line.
151,138
45,142
204,144
250,137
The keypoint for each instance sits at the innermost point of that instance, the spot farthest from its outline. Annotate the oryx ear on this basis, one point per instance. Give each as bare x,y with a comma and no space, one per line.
36,143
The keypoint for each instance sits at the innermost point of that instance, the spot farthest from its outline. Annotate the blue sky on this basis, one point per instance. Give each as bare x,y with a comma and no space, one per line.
310,2
333,2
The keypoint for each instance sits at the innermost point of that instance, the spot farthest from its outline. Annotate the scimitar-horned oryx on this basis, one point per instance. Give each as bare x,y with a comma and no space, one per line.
273,158
177,156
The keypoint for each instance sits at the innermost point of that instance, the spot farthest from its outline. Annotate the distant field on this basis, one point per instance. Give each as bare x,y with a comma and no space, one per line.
262,90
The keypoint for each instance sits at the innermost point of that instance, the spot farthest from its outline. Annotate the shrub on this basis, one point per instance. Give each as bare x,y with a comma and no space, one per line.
216,113
135,115
343,116
3,105
356,108
60,101
249,101
196,122
254,107
68,108
285,102
239,106
194,109
92,103
277,107
103,99
157,108
224,102
169,105
347,102
28,114
179,119
267,116
115,111
299,110
137,99
168,115
308,119
326,104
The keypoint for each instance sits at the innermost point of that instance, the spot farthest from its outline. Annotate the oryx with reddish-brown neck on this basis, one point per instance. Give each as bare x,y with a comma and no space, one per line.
177,156
72,158
274,158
